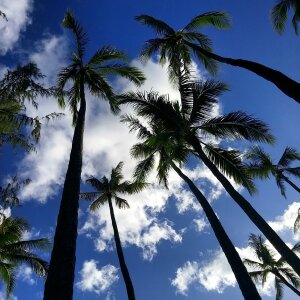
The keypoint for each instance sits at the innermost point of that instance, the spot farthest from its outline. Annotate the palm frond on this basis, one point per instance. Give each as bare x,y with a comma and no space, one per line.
143,168
281,184
260,164
289,155
96,184
218,19
229,162
204,98
293,171
40,244
157,25
279,14
121,203
135,125
116,174
131,73
256,275
297,222
278,288
238,125
105,54
101,200
8,277
71,23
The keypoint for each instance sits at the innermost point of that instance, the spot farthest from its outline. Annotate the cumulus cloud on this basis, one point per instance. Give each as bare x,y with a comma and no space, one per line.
284,224
18,15
215,274
97,280
200,224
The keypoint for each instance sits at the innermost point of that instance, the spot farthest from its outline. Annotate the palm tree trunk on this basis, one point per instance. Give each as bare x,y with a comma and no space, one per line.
245,283
277,274
124,270
60,279
293,185
287,85
291,258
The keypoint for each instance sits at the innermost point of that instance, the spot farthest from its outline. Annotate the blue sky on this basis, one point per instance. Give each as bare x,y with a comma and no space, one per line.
170,249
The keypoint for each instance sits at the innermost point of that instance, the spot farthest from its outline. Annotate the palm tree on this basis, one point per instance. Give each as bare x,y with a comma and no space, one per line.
153,143
108,190
16,87
279,14
268,264
191,122
14,251
262,166
59,283
176,45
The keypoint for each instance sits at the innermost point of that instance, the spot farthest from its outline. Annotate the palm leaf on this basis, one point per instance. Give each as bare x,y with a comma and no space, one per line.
143,168
289,155
217,19
297,222
278,288
279,14
159,26
105,54
101,200
71,23
121,203
238,125
229,162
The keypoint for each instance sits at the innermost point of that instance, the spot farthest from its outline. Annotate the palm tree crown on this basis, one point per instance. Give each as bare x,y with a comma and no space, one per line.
267,263
262,166
170,43
194,119
111,188
14,251
279,14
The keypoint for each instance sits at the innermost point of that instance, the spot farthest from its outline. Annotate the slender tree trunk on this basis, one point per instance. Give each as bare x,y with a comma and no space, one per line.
293,185
277,274
124,270
287,85
291,258
60,279
245,283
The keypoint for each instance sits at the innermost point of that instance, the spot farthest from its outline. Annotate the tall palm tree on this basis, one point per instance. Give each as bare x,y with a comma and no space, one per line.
268,264
14,251
90,75
191,122
262,166
108,190
176,45
279,14
153,143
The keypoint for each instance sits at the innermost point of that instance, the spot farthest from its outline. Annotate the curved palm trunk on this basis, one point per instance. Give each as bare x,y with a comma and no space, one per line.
291,258
245,283
293,185
60,279
277,274
124,270
287,85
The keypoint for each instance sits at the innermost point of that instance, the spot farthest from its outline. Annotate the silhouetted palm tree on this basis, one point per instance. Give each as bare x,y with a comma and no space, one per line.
262,166
267,263
14,251
154,142
191,122
176,45
90,75
108,190
280,12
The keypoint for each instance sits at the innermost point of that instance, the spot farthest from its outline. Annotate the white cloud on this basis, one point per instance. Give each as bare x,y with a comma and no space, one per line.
17,13
215,274
200,224
97,280
284,224
25,274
